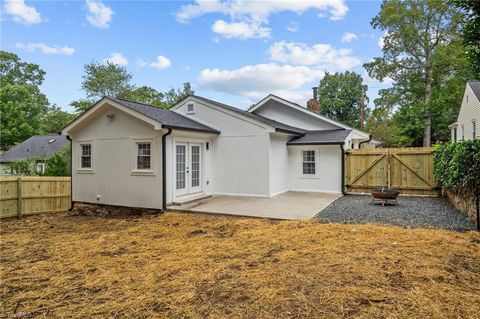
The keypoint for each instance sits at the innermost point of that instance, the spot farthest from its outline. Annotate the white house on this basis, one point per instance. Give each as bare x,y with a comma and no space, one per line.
131,154
466,126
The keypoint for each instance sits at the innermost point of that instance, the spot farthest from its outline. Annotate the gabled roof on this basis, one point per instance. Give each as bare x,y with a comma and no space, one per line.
475,86
278,126
167,118
160,118
35,146
323,137
305,110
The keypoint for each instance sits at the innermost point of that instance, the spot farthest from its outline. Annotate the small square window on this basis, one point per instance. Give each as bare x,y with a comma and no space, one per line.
86,156
190,108
41,168
308,162
144,156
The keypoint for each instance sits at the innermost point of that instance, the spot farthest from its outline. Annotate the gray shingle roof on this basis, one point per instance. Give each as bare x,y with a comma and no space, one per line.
475,86
35,146
277,125
321,137
167,118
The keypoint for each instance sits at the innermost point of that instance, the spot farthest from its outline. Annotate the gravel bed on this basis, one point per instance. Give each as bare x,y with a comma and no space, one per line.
411,212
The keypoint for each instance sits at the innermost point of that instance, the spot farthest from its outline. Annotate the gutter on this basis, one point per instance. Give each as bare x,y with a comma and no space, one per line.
164,170
343,169
369,139
71,171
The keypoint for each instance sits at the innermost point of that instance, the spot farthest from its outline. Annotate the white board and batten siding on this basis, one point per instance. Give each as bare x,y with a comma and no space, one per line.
113,179
240,152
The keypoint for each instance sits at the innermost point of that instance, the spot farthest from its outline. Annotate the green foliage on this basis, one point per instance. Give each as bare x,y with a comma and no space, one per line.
421,51
471,31
144,94
81,105
457,165
59,163
102,80
23,168
21,102
55,119
340,97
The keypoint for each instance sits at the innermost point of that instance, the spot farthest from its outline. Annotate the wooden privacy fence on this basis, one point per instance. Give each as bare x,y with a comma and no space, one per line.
410,170
28,195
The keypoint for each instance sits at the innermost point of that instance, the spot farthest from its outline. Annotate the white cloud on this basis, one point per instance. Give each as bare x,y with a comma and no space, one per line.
256,81
141,63
45,49
242,29
21,12
260,10
323,56
161,63
293,27
99,14
249,17
349,37
116,58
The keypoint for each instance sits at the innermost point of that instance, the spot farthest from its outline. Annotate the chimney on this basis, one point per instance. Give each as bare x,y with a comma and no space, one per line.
313,104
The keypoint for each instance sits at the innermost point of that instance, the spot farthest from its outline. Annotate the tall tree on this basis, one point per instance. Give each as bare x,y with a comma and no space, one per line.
145,94
471,31
21,102
54,119
415,31
340,97
107,79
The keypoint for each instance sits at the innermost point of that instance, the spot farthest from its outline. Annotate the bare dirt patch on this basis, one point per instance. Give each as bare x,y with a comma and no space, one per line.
199,266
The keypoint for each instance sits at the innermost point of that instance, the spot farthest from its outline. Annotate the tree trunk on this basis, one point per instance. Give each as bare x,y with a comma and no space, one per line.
427,117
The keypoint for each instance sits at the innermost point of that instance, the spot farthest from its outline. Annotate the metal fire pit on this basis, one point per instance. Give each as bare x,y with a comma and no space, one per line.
383,195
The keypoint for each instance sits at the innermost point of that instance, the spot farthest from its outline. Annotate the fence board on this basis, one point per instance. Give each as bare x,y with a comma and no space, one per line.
27,195
408,169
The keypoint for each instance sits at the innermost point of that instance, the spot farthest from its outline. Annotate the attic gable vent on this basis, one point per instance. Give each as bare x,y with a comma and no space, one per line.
190,108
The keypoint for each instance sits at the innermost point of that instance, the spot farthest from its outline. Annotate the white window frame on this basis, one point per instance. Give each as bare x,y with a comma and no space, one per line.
135,169
462,128
316,157
192,111
42,169
80,169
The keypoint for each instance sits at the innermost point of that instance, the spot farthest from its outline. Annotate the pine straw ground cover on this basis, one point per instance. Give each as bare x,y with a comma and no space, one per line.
198,266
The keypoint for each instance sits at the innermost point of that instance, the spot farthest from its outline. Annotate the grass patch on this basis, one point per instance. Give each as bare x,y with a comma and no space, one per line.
200,266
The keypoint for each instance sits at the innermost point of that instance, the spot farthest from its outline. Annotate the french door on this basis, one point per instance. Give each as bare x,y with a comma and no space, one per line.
188,168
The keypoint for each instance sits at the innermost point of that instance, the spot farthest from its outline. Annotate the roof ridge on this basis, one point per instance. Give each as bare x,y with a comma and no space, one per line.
141,103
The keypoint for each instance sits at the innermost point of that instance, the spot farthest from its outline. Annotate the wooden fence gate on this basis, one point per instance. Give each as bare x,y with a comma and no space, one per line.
410,170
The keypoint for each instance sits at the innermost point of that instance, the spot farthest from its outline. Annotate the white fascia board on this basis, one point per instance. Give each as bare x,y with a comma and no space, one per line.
359,133
221,109
104,101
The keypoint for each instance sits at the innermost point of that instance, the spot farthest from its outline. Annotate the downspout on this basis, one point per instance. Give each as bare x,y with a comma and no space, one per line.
71,173
343,169
369,139
164,170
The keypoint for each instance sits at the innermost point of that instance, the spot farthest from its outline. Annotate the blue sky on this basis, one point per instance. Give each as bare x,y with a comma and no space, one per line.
232,51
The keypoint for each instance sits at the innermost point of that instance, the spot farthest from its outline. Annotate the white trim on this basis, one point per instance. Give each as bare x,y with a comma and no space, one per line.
279,193
79,168
135,170
223,110
106,101
304,110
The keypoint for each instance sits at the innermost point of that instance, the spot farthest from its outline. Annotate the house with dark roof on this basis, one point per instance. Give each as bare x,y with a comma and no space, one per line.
132,154
37,147
466,126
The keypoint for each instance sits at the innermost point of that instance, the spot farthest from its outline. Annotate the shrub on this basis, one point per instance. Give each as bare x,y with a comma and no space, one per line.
458,165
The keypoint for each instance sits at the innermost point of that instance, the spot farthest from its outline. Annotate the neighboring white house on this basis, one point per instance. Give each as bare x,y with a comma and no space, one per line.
466,126
131,154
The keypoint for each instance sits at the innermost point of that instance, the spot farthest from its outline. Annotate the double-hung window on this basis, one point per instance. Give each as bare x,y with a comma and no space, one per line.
144,156
308,162
86,156
474,129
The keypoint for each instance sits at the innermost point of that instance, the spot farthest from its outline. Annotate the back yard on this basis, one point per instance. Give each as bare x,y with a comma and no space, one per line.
199,266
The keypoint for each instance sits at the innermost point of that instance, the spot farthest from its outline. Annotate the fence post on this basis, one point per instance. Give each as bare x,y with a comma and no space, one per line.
389,176
19,196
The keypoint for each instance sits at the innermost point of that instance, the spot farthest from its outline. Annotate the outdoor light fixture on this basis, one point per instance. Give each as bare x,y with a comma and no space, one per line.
111,116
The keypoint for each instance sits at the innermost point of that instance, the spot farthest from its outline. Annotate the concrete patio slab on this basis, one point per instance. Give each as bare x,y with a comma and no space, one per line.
290,205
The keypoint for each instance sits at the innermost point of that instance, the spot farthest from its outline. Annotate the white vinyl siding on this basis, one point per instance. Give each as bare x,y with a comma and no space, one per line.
468,115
